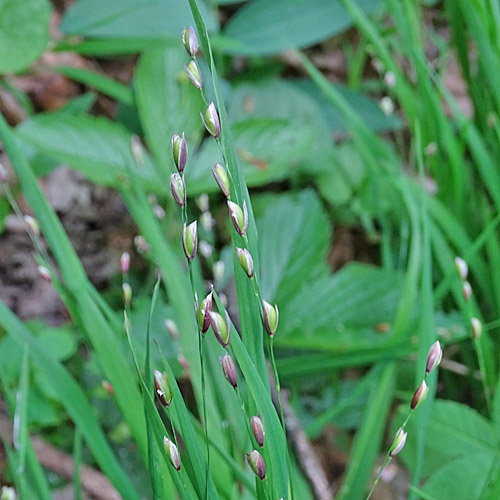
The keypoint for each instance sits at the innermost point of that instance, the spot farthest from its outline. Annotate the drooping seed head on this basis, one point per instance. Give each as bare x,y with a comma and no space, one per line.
256,463
203,202
179,152
221,327
211,121
163,388
194,74
178,188
477,328
206,249
466,291
258,429
398,443
172,453
270,317
219,270
229,370
220,176
127,294
238,216
190,41
462,268
434,357
190,240
171,328
246,261
203,313
420,395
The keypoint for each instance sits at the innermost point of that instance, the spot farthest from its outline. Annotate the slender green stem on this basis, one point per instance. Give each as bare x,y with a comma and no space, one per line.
379,475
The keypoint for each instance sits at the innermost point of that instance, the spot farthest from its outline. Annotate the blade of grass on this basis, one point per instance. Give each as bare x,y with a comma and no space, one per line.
73,400
20,431
368,438
101,336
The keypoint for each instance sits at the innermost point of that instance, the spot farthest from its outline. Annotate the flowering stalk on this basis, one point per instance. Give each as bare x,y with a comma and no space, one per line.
433,359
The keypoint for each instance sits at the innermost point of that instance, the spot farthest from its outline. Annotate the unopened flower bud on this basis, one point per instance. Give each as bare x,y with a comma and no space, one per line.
246,261
258,429
203,202
211,121
239,217
127,294
229,370
159,212
387,105
462,268
137,150
45,274
190,41
141,244
183,362
190,240
33,227
206,249
466,291
179,151
194,75
178,188
221,328
256,463
434,357
8,493
398,443
172,329
207,221
163,388
203,313
270,317
125,262
390,79
420,395
220,176
477,328
108,387
172,453
218,270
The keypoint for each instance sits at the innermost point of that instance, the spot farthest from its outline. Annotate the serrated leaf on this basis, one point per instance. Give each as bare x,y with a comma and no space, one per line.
24,32
294,236
266,27
98,148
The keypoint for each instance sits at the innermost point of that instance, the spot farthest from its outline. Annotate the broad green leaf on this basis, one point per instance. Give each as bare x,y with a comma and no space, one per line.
74,401
99,82
265,27
357,296
366,107
167,104
461,479
294,237
454,430
24,32
98,148
131,19
496,409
